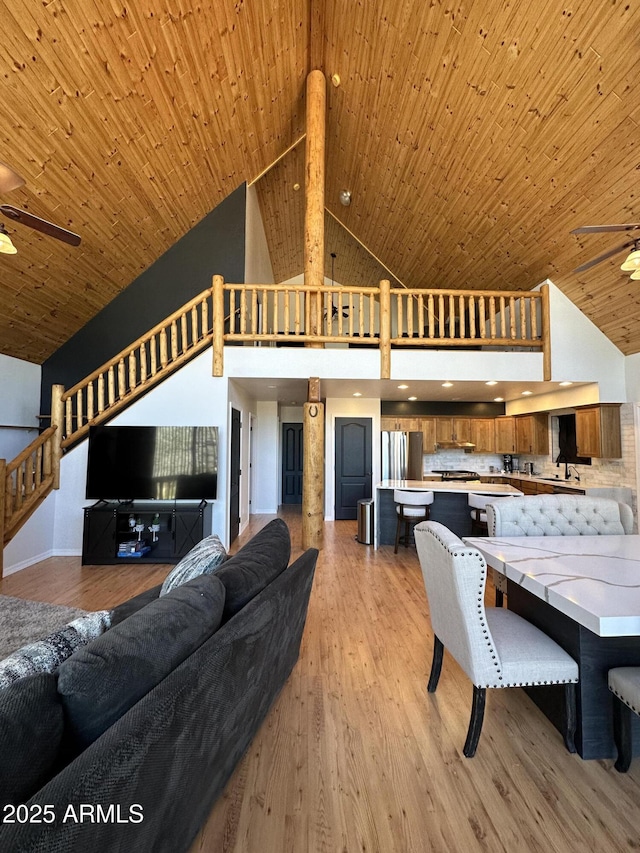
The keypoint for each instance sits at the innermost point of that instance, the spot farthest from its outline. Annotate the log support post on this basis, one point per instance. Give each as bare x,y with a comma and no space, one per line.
385,329
314,199
313,469
546,334
57,420
218,325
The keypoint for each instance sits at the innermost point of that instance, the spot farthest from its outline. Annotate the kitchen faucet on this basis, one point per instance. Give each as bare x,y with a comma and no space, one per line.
575,469
562,458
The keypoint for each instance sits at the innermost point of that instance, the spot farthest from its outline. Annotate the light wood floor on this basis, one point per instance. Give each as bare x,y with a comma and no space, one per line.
356,756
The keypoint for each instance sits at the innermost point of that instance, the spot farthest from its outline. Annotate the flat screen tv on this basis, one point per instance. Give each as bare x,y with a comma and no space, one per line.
146,462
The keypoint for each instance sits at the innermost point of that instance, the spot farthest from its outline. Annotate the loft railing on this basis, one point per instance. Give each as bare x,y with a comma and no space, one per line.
380,316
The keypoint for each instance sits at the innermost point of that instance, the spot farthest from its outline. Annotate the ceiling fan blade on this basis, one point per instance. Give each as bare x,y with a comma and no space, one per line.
42,225
596,229
606,255
9,179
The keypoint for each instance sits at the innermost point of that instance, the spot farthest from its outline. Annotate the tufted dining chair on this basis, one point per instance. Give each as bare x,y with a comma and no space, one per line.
411,508
624,683
494,646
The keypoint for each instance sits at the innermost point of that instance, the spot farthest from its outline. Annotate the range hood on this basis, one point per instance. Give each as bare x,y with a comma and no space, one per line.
452,444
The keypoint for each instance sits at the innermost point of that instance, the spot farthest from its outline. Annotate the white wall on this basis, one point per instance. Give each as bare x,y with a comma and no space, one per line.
632,377
19,404
580,352
266,459
360,407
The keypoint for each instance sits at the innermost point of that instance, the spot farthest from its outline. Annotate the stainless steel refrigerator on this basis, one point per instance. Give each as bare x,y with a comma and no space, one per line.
401,455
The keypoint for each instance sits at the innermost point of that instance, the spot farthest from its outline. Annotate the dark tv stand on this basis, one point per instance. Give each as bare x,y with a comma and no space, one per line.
106,528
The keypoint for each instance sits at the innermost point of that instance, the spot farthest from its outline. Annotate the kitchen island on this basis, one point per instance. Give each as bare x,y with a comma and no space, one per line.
450,505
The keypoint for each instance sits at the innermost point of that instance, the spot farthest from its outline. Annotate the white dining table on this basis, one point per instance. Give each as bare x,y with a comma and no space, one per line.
584,592
594,580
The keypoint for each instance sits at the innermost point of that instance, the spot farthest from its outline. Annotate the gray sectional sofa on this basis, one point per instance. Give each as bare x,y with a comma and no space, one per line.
129,743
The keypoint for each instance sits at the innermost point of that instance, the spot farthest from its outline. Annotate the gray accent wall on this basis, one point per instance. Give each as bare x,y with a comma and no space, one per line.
216,245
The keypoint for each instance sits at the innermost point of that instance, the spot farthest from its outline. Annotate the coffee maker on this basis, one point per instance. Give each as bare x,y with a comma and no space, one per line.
507,465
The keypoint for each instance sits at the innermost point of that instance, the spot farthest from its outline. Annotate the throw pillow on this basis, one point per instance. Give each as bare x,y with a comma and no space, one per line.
31,724
103,680
202,559
47,654
255,565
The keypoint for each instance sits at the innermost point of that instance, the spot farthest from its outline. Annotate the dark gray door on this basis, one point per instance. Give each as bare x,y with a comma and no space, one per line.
292,457
353,464
234,477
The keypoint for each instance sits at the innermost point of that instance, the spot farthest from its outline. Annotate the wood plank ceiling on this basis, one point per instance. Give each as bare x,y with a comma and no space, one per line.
473,137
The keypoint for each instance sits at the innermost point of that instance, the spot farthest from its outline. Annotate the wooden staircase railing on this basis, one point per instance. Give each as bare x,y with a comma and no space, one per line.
131,373
27,480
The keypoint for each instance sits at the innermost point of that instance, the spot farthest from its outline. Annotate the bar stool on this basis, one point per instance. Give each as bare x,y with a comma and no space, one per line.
411,508
478,503
624,683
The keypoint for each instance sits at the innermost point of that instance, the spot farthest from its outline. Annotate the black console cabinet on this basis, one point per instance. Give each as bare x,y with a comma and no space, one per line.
108,526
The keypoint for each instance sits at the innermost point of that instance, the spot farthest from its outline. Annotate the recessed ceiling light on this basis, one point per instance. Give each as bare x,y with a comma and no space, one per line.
527,393
412,398
357,394
447,384
566,383
498,399
491,382
403,387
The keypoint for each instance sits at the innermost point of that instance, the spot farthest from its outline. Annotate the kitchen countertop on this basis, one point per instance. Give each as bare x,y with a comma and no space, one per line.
450,486
560,481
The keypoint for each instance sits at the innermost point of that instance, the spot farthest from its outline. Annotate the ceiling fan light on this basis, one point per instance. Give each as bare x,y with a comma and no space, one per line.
632,262
6,246
635,275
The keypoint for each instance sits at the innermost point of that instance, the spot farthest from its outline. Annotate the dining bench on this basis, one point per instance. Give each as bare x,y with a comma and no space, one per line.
554,515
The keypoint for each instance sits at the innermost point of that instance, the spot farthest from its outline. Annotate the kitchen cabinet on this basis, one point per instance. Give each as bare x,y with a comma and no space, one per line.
428,426
482,435
453,429
505,434
598,431
532,433
395,422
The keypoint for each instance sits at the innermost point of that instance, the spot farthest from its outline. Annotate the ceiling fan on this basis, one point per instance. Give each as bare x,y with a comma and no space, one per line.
11,180
634,244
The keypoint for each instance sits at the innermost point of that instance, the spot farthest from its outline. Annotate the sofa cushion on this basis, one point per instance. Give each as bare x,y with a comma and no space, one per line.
255,565
202,559
101,681
31,725
132,605
47,654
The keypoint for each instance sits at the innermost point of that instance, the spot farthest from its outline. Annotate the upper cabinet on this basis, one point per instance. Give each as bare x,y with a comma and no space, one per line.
428,434
397,422
598,431
532,433
505,434
482,435
453,429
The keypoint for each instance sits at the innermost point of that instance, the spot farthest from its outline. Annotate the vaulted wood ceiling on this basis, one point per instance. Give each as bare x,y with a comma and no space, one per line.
473,137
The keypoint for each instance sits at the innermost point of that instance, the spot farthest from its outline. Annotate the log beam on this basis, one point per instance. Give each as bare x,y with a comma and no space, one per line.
313,476
314,196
